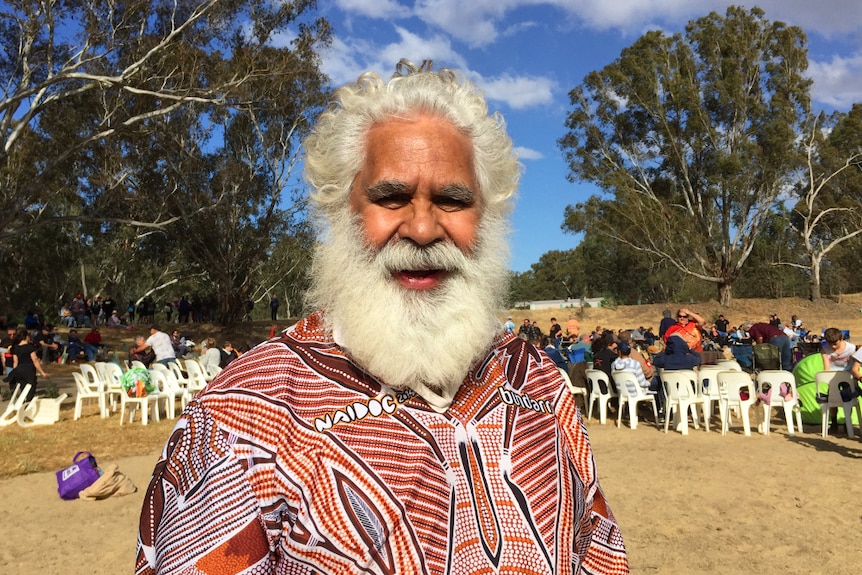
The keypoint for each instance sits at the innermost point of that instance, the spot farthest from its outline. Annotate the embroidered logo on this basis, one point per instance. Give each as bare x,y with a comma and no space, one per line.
509,397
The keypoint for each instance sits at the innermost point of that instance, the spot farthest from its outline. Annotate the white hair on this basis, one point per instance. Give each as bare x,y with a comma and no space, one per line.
335,150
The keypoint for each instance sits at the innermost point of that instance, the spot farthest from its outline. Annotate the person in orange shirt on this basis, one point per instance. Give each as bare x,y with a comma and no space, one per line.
688,325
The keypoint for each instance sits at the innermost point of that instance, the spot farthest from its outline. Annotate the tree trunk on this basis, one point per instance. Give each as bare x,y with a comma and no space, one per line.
725,294
814,281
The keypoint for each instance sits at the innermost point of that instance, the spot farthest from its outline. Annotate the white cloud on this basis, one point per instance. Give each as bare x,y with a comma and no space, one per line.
838,82
528,154
347,58
474,22
382,9
518,92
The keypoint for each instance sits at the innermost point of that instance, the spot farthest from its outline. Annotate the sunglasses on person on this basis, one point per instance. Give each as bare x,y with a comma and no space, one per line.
682,317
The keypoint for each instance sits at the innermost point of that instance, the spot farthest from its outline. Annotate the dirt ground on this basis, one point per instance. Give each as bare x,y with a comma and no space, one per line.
702,503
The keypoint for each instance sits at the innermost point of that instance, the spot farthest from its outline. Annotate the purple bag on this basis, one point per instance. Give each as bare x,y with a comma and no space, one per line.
81,474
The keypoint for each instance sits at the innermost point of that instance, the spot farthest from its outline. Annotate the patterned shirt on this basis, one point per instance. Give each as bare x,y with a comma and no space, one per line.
294,460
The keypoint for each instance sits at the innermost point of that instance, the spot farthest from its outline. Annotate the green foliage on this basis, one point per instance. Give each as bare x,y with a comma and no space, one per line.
689,135
151,147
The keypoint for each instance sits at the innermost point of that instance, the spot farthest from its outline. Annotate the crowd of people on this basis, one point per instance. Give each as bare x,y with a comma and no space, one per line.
680,344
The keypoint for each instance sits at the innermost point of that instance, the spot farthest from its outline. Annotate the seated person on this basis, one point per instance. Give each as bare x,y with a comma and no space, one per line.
580,350
66,316
676,355
228,354
625,362
554,354
211,355
47,344
604,350
115,321
180,345
94,339
77,349
141,352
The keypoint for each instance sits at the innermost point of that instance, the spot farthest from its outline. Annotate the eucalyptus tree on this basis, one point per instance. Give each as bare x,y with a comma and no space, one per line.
828,210
692,139
88,84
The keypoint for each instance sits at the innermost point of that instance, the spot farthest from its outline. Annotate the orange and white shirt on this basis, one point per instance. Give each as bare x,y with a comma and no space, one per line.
294,460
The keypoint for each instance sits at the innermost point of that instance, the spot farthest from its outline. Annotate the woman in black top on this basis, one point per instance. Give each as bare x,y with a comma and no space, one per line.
25,363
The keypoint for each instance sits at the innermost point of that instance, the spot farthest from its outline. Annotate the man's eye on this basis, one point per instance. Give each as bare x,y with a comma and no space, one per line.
451,204
392,202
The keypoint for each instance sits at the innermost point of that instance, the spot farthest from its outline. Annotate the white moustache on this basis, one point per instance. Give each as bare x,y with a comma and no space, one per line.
406,255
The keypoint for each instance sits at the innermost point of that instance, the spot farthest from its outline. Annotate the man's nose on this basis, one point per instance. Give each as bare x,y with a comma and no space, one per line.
421,223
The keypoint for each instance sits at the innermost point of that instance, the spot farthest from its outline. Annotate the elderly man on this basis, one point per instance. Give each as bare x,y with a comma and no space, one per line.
437,445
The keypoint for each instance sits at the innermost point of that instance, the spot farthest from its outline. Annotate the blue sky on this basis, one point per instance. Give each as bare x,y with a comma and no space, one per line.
527,54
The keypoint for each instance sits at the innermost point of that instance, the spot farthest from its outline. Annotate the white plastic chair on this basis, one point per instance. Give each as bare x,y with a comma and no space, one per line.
576,391
681,395
168,391
85,394
731,385
632,393
213,370
95,384
137,363
776,401
708,388
595,378
16,403
112,374
182,378
728,365
149,402
833,379
196,377
41,411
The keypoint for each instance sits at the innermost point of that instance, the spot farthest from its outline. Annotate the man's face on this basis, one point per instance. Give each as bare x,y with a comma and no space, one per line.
682,318
418,184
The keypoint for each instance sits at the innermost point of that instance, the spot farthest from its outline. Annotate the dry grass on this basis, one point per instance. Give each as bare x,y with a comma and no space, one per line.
49,448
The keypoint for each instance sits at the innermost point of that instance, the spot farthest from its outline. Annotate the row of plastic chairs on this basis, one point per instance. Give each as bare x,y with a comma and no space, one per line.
726,384
102,382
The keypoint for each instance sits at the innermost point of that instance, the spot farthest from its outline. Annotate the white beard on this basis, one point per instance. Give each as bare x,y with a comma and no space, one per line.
425,340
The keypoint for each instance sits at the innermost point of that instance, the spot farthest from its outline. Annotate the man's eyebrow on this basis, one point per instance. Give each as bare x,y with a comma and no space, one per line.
382,190
458,192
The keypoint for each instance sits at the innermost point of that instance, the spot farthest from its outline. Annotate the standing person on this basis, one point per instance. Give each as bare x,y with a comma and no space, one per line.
573,328
436,445
721,327
25,363
273,308
6,345
554,329
525,332
108,305
160,343
183,310
766,332
168,309
688,325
